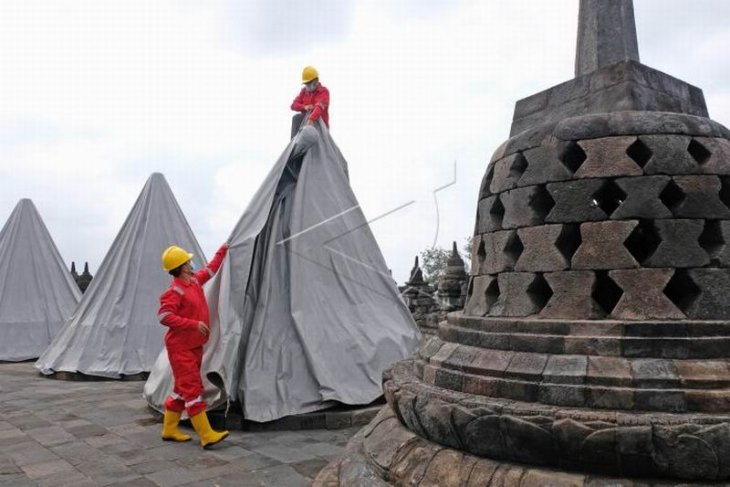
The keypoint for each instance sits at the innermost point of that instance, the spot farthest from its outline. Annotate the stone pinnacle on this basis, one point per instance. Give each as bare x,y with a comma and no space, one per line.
606,35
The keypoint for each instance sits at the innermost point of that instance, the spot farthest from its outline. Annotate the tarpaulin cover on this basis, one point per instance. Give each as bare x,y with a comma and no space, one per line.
304,311
114,331
37,292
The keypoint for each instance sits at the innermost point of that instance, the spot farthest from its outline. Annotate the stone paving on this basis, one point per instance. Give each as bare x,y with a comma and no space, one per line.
57,433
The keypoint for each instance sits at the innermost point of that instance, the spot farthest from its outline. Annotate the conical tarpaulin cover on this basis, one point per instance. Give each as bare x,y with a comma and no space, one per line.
114,331
37,293
303,310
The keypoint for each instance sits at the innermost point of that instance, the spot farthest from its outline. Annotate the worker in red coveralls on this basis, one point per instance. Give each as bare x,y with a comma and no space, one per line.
184,310
314,99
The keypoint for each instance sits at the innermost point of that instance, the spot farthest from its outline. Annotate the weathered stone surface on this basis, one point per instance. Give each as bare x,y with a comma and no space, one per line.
540,252
477,301
607,157
602,246
501,251
489,215
643,297
575,202
543,166
571,297
712,302
642,198
715,239
678,245
519,295
701,198
613,371
525,207
669,155
617,123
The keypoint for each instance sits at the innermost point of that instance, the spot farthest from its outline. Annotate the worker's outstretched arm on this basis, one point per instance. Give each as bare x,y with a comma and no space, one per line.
321,102
204,275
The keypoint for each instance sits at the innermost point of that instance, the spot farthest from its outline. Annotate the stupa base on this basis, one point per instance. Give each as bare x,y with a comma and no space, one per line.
386,453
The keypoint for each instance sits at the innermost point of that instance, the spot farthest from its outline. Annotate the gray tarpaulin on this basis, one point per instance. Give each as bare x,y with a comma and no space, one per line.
37,292
114,331
303,310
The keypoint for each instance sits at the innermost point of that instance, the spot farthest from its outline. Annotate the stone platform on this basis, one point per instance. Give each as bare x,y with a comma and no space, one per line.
97,433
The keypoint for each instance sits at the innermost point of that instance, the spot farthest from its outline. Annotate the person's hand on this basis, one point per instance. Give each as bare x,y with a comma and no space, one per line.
203,328
225,245
308,107
309,122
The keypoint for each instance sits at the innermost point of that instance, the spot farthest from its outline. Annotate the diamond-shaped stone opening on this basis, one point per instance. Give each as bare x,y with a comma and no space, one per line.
712,239
699,152
639,152
609,197
606,292
672,195
470,288
513,248
568,241
484,191
725,191
492,293
682,290
518,167
497,212
481,251
643,241
541,202
572,156
539,291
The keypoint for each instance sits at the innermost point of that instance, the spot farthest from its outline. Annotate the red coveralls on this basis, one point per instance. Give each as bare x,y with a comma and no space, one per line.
319,99
182,307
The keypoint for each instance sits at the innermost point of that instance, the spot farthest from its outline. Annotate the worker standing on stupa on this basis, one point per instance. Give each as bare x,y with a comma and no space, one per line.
313,99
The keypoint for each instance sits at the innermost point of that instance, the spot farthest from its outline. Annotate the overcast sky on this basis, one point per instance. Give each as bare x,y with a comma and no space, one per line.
95,95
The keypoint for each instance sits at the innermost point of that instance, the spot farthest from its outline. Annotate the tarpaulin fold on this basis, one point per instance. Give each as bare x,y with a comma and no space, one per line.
304,312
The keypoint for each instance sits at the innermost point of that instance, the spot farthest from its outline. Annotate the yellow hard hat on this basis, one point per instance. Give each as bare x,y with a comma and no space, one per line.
309,74
173,257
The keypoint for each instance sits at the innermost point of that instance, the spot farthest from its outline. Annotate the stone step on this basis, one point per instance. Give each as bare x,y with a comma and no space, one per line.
669,400
707,347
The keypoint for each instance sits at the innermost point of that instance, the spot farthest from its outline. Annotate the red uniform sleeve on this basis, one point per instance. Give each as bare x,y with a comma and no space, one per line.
169,306
297,104
321,103
204,275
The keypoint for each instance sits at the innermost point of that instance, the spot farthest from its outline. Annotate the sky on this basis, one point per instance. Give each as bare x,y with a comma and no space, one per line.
95,95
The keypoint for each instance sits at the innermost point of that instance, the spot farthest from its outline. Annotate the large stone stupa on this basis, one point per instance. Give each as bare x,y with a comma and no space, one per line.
594,348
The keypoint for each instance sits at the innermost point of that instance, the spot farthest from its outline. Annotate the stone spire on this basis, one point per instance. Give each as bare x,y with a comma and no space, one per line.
606,35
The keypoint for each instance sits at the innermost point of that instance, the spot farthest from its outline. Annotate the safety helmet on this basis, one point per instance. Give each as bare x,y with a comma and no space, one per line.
173,257
309,74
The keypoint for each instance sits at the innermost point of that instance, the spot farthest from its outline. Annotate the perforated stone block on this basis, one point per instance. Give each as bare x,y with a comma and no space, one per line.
507,172
718,160
543,166
712,301
525,207
669,155
643,295
489,214
540,253
517,295
701,198
484,191
716,241
501,250
477,302
607,157
642,198
571,297
575,202
679,245
602,246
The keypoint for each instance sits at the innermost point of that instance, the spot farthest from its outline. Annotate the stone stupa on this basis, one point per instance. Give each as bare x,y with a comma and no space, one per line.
594,347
